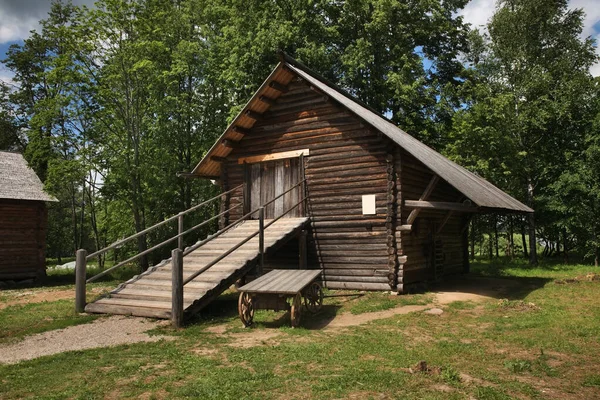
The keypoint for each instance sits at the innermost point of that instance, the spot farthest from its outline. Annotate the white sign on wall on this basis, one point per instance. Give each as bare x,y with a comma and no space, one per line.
368,204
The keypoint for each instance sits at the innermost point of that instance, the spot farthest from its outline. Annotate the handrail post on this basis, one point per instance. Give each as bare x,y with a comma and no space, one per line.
261,239
80,266
177,288
180,231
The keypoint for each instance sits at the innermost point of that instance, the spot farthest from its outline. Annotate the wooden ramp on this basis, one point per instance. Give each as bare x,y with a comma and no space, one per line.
149,294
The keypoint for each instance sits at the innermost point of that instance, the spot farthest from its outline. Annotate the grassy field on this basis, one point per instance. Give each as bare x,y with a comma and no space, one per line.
538,339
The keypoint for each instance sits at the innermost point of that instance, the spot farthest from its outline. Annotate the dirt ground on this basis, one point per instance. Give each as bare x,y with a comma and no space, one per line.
117,330
38,295
104,332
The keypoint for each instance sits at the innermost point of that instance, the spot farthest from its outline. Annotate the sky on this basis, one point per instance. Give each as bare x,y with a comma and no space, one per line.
19,17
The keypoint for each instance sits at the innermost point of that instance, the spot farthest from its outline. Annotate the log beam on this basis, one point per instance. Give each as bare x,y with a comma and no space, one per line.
428,190
239,130
439,205
218,159
253,114
278,86
229,143
267,100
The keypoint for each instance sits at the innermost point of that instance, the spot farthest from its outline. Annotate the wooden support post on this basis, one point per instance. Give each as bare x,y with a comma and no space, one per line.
177,288
247,187
80,267
302,263
180,231
261,239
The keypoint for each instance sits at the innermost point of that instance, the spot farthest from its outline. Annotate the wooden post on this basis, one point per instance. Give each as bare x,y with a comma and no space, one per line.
177,288
180,231
80,266
261,239
302,250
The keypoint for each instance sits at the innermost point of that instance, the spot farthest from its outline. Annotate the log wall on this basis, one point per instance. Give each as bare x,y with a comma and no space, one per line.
22,239
348,159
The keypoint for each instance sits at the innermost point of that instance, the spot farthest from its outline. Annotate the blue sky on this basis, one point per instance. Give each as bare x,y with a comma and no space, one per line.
19,17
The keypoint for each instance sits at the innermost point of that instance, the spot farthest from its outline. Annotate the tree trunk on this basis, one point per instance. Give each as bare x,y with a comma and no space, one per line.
496,235
533,260
511,241
490,246
565,249
524,240
473,240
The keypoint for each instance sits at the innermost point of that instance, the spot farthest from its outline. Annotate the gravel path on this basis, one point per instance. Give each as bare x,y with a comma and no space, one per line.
104,332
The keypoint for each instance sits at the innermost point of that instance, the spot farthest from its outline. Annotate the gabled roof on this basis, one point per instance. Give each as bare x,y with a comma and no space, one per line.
477,189
18,181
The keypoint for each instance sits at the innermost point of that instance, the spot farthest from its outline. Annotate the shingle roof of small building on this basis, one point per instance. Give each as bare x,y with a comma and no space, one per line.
18,181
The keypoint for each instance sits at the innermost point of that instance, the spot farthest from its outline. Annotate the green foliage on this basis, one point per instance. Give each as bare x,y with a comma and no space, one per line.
518,366
592,380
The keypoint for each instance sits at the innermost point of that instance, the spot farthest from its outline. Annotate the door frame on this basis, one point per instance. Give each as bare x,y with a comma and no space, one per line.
287,155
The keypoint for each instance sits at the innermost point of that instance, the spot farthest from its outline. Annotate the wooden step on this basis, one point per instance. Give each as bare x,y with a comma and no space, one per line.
192,285
154,295
149,294
101,308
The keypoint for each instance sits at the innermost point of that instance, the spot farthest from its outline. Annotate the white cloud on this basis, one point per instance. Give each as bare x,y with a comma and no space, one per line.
478,13
19,17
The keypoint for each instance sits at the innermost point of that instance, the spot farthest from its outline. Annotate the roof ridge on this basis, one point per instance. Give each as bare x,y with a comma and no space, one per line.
290,60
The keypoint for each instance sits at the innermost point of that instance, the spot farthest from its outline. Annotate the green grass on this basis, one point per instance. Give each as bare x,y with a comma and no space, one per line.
501,349
20,320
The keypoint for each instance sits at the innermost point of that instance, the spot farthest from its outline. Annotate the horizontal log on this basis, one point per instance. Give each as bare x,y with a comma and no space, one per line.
357,285
439,205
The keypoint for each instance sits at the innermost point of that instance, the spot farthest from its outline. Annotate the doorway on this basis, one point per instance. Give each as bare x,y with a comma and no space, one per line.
269,179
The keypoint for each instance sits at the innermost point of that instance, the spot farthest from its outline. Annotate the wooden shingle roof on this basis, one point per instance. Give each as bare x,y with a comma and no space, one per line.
477,189
18,181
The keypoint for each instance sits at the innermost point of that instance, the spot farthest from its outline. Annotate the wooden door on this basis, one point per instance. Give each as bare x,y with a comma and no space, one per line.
270,179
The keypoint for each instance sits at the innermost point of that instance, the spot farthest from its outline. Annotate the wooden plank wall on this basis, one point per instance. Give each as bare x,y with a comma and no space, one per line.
347,160
417,244
22,239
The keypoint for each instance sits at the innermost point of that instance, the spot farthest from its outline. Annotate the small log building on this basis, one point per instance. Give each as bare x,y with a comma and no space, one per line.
386,211
23,220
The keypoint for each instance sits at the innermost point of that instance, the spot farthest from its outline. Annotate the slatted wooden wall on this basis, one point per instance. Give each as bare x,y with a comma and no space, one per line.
22,239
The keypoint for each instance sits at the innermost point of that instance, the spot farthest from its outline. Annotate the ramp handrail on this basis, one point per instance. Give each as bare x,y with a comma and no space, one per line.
260,231
82,257
177,281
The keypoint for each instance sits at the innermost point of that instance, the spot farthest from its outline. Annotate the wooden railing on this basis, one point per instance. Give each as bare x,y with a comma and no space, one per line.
177,254
82,257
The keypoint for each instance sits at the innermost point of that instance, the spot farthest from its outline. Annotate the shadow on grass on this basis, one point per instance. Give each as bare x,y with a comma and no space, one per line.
224,309
512,288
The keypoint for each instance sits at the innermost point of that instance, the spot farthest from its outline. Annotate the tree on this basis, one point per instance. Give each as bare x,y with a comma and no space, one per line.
10,134
528,100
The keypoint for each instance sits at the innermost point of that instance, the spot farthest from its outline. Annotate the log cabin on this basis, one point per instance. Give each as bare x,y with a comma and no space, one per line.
23,220
386,211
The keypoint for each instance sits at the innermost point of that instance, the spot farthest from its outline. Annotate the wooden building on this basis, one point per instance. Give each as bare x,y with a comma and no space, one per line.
23,220
386,211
